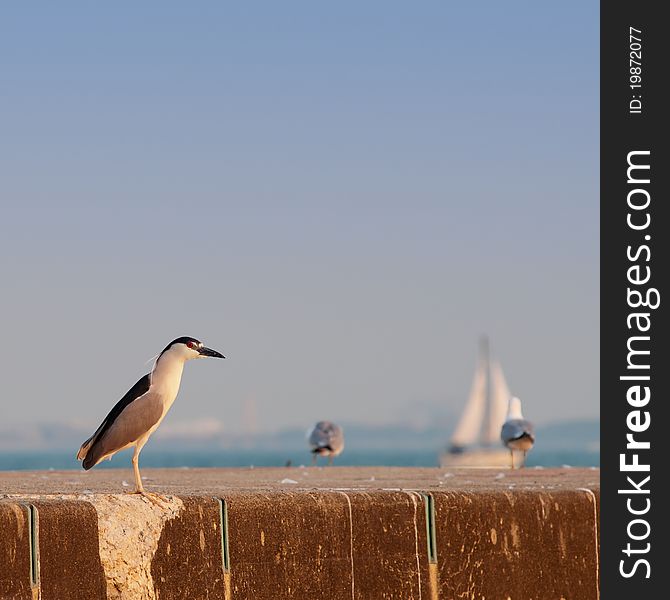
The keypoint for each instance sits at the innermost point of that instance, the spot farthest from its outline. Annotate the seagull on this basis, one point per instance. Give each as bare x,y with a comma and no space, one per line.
517,433
137,415
326,439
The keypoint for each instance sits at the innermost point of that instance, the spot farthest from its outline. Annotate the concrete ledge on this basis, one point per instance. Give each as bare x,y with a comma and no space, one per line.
306,534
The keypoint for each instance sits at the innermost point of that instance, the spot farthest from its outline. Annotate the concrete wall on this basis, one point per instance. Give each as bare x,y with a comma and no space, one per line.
304,544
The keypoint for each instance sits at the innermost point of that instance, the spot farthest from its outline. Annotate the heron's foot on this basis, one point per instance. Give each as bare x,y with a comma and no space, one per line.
151,497
154,499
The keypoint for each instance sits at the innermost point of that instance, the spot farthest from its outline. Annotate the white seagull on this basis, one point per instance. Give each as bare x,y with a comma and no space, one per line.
137,415
326,439
517,433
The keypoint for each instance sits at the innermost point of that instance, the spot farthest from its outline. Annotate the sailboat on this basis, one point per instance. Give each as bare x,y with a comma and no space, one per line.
476,439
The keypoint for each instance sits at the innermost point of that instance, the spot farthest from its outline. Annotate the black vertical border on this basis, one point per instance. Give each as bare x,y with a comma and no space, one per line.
622,132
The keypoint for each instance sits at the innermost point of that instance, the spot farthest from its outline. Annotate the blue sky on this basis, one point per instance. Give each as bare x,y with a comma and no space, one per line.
340,197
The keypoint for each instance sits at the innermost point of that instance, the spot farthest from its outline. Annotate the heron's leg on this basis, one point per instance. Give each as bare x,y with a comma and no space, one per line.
314,459
139,488
511,454
524,458
330,460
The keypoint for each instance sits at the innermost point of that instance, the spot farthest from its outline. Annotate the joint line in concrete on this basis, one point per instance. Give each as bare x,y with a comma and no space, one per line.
225,548
33,544
431,537
351,540
413,496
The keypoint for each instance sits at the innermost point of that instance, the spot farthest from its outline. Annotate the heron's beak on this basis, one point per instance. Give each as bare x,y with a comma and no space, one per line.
209,352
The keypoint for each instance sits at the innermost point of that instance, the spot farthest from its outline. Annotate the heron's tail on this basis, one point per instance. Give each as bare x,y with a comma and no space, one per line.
85,447
90,452
85,453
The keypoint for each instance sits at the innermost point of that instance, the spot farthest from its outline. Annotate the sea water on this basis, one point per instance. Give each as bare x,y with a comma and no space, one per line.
43,460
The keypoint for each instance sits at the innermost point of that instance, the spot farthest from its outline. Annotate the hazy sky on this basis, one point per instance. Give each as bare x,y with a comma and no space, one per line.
341,197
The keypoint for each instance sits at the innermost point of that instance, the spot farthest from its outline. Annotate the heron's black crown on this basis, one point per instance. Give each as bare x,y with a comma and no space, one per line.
181,340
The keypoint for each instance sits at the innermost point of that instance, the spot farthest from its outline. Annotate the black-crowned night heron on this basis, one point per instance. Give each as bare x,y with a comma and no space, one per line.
326,439
517,433
137,415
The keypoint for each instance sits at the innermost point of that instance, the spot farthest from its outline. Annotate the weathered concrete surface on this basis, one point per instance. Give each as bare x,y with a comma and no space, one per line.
296,544
328,544
521,544
130,533
187,562
14,552
389,549
307,533
69,561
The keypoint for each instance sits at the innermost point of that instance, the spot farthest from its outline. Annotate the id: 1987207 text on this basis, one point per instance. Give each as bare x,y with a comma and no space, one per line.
635,70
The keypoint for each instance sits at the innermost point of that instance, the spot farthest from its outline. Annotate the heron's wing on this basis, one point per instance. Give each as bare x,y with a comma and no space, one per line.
117,420
139,389
515,429
133,422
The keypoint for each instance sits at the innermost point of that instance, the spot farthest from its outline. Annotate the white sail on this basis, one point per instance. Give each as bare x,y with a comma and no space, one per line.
470,424
500,396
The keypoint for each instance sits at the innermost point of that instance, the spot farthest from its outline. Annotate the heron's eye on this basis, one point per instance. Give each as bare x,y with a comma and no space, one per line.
191,345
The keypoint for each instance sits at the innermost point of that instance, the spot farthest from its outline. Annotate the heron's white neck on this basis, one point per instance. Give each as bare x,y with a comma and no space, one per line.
514,409
167,372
